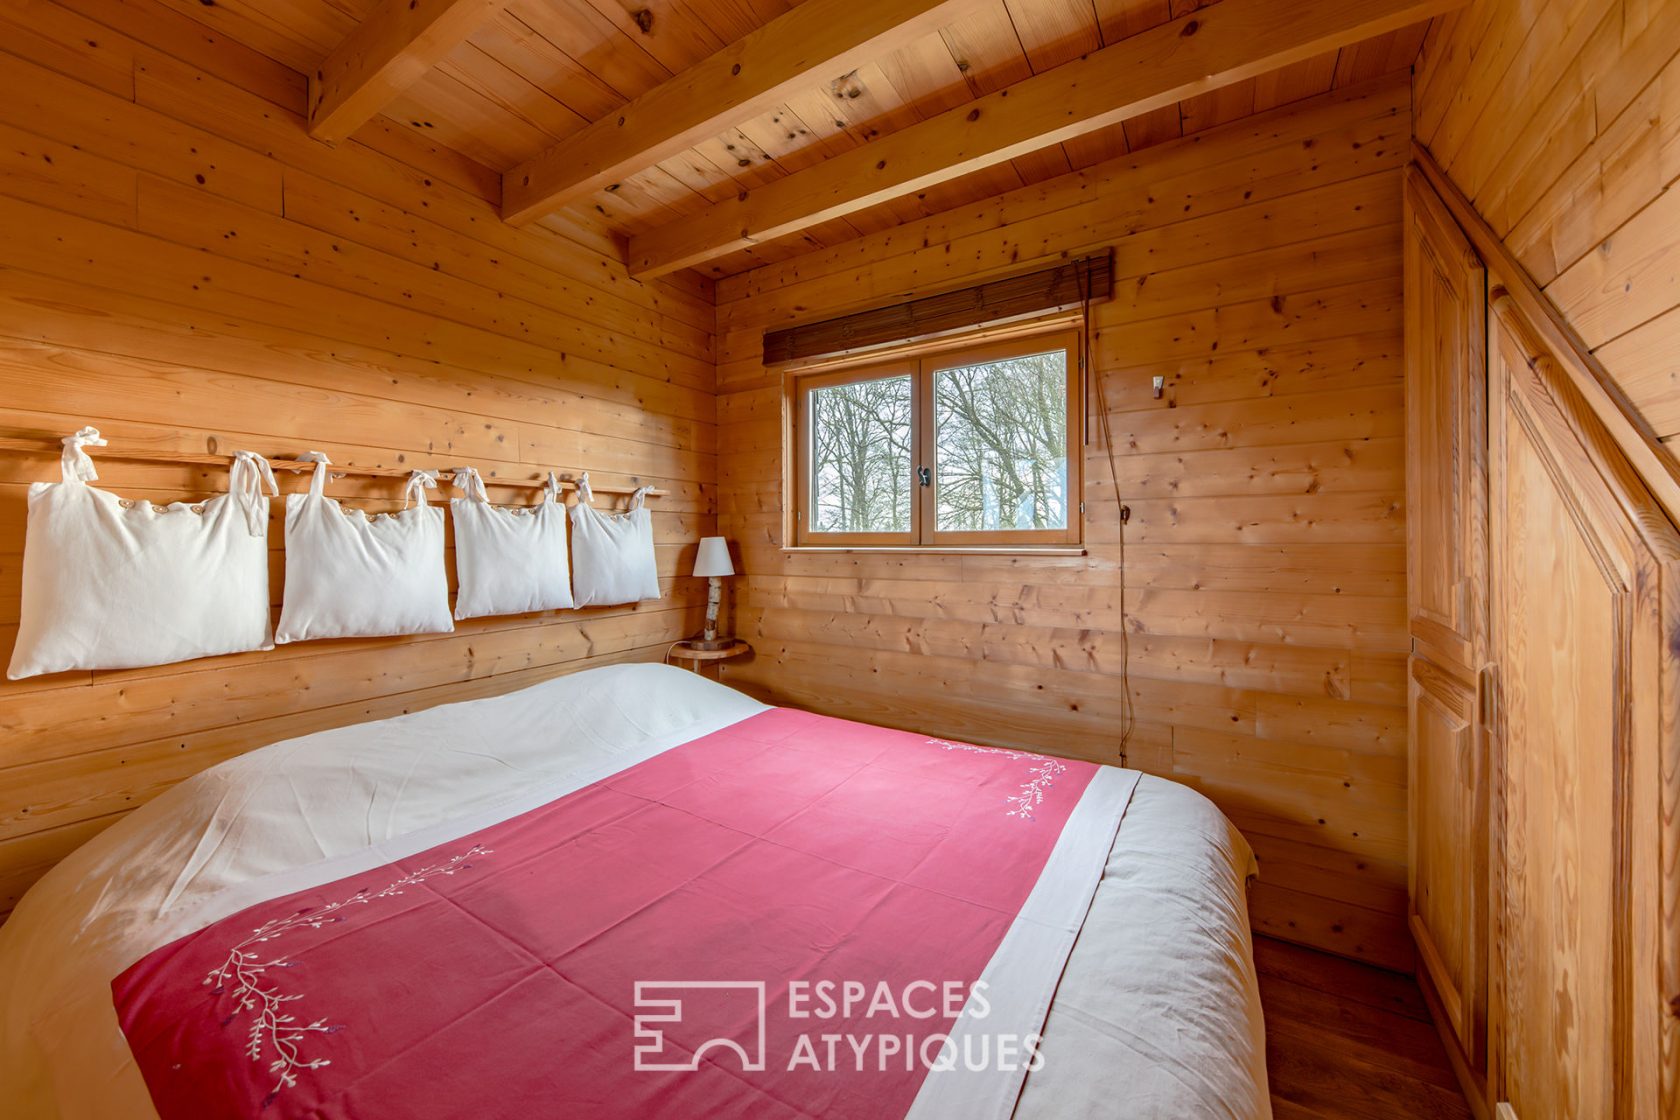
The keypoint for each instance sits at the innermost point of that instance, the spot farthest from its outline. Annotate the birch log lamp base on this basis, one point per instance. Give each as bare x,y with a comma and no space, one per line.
712,562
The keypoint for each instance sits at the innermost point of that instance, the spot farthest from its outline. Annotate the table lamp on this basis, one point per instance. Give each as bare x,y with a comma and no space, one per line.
713,562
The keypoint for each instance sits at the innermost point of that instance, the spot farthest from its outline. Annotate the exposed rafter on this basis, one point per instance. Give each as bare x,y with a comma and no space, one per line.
386,53
1217,46
813,43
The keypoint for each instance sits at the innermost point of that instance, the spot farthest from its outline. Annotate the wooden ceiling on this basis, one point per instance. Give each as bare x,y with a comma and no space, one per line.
531,73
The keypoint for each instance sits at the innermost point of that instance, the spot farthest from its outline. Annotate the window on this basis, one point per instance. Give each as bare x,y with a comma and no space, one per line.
960,447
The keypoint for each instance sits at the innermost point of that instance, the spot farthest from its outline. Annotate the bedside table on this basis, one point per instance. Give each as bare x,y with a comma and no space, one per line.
698,659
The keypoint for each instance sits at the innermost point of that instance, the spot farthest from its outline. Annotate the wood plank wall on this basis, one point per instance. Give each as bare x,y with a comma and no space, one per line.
1258,269
182,267
1560,120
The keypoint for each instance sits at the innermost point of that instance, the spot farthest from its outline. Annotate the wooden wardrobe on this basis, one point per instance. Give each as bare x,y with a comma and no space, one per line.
1544,601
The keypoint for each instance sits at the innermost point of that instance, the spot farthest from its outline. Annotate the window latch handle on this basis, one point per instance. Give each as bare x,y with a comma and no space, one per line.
924,476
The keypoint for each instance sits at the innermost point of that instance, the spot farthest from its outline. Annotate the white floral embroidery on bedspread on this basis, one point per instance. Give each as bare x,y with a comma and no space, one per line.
242,975
1040,778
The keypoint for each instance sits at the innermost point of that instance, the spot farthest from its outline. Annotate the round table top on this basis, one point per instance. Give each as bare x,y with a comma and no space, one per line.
685,652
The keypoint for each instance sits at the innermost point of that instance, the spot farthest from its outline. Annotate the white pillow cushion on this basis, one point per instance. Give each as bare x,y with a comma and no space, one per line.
349,575
508,559
110,583
612,553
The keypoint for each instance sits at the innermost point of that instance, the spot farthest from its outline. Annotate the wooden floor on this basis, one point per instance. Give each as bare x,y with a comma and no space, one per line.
1345,1041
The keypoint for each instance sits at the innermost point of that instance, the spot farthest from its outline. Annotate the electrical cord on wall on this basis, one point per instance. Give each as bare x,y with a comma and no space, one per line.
1128,715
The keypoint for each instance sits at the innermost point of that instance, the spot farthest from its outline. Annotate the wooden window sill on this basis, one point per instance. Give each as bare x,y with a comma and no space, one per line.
927,550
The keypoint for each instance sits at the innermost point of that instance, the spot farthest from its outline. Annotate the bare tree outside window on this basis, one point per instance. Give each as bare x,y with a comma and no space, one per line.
860,456
1001,432
968,443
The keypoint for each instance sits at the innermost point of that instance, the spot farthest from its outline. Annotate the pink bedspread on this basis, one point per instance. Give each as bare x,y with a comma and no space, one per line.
497,974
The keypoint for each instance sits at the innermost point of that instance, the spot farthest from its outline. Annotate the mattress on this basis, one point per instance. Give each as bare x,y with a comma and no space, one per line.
1156,1013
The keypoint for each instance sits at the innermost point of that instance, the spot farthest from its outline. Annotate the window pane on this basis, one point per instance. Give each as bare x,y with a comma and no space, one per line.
860,457
1002,433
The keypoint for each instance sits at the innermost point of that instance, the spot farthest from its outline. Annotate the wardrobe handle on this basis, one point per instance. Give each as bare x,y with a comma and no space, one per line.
1487,697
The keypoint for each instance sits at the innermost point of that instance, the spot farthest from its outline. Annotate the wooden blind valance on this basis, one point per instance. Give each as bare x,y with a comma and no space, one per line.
1063,286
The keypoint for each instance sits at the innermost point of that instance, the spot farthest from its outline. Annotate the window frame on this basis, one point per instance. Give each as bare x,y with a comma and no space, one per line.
922,365
875,371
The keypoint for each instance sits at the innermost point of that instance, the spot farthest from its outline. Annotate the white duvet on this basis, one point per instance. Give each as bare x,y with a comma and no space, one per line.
1157,1014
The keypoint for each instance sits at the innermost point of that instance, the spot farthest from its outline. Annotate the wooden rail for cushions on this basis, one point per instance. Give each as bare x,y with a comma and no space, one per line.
45,447
1545,328
1059,288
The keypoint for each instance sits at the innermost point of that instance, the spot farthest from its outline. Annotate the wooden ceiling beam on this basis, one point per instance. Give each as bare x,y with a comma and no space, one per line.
816,42
387,52
1217,46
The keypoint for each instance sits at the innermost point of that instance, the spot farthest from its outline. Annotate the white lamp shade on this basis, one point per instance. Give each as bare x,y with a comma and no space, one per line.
713,558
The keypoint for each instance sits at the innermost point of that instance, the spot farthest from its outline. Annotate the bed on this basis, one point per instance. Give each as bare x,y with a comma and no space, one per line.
1150,1009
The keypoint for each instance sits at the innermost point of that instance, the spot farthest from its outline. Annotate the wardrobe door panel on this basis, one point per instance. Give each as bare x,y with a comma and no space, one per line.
1445,339
1446,544
1584,627
1448,843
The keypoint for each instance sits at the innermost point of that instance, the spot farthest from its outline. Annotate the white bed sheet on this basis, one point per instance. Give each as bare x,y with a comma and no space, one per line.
1157,1015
